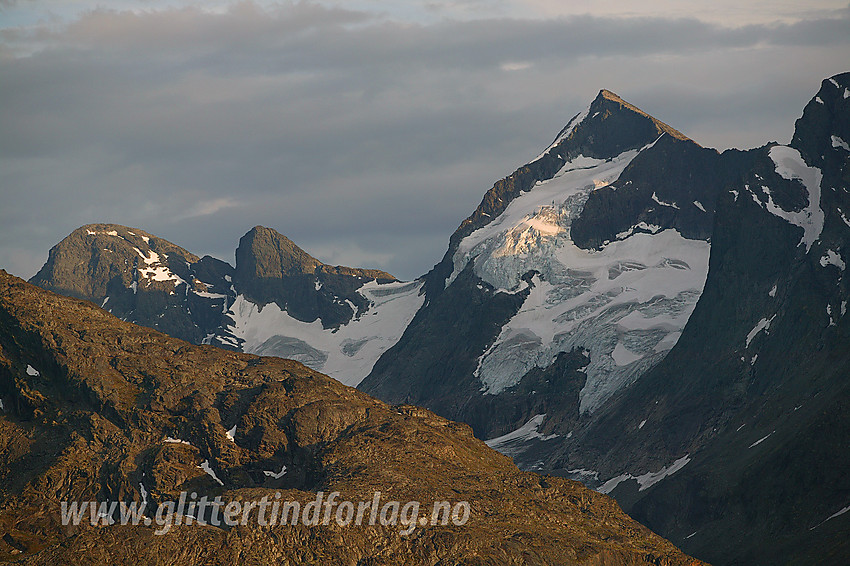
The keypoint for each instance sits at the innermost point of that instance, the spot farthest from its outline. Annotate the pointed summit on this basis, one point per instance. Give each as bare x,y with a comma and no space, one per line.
608,128
264,252
661,127
271,268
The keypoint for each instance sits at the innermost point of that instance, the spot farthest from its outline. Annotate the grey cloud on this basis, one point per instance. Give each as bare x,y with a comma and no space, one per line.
350,134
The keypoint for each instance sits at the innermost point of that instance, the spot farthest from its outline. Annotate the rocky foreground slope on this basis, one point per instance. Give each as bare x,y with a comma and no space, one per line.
99,409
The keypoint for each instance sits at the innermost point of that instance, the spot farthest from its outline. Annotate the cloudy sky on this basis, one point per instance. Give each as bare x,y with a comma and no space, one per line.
365,130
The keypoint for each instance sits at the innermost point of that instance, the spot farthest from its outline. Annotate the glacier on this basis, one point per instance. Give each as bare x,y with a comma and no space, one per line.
347,353
626,303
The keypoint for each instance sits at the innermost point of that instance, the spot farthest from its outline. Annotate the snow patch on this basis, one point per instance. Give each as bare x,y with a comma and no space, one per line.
208,295
32,371
699,205
662,203
763,324
838,142
647,480
171,440
790,165
833,516
156,271
205,466
760,440
651,228
772,292
611,484
276,475
514,442
231,434
832,257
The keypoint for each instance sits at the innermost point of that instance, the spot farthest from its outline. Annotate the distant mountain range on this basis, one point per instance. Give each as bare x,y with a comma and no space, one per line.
663,322
278,300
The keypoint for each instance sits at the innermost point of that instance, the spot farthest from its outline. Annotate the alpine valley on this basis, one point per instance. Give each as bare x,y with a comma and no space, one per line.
662,321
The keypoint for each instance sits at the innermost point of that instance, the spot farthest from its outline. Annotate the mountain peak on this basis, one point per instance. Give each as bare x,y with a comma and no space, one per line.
607,128
605,98
85,262
264,252
821,134
271,268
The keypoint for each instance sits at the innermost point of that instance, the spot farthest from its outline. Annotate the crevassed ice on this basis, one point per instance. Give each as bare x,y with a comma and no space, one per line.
626,303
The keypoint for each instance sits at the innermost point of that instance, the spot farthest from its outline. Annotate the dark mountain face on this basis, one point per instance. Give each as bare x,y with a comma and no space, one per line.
755,392
96,409
674,184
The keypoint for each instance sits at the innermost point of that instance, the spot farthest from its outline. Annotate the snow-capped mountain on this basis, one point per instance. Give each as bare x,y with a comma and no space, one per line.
598,248
277,301
664,323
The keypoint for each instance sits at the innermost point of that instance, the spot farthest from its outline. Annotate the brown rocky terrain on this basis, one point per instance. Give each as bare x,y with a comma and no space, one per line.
99,409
